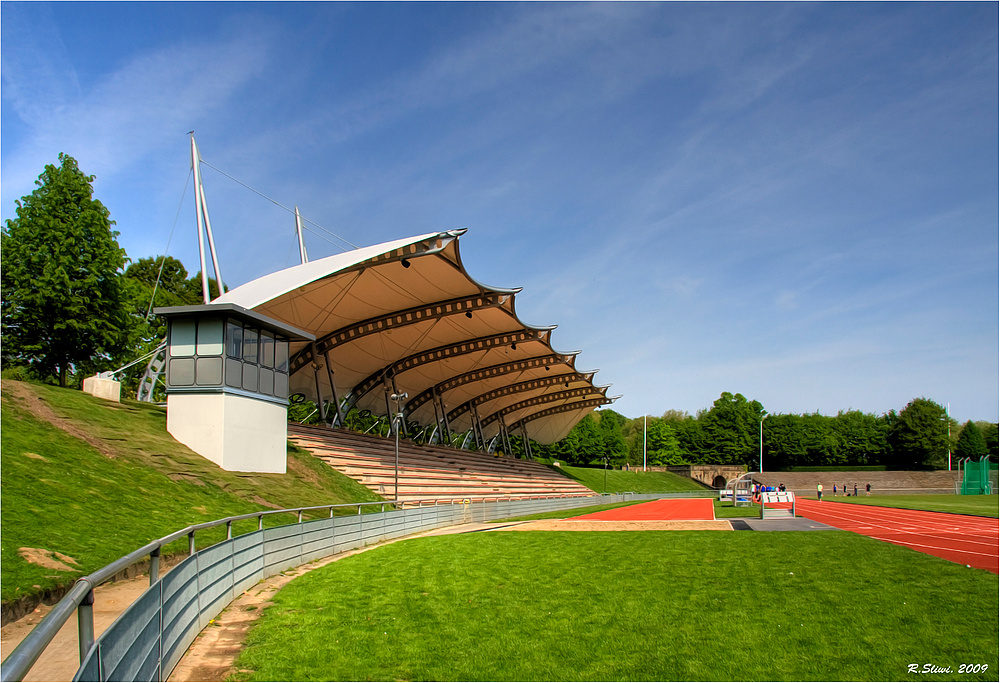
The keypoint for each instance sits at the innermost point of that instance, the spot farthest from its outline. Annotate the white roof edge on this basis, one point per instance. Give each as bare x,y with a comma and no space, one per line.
268,287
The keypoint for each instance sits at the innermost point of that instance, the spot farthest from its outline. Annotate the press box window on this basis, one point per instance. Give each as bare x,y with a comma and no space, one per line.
266,350
249,345
234,340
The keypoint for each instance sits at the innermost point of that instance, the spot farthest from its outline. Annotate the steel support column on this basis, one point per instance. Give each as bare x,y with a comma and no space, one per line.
333,388
319,393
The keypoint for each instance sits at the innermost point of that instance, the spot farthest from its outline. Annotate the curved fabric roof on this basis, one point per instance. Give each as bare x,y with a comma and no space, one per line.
405,316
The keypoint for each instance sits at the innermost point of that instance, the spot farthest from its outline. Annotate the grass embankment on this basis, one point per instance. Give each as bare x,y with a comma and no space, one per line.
565,606
984,506
119,481
620,481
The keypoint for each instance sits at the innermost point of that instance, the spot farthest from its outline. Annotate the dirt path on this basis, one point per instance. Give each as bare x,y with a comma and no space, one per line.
61,659
24,397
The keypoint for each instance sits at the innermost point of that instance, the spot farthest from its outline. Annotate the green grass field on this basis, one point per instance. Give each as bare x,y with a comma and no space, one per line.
565,606
984,506
62,494
637,482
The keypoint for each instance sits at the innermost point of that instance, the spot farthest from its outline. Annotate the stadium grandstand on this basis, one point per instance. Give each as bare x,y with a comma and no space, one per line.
397,330
405,317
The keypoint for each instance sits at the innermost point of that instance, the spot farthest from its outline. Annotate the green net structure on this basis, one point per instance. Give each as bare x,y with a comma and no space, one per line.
979,476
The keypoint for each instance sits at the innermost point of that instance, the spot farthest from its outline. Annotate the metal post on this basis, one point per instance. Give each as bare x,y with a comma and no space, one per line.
211,239
333,388
395,476
260,522
190,543
229,530
437,417
643,443
303,258
154,566
85,624
762,443
444,412
196,168
319,394
478,427
947,414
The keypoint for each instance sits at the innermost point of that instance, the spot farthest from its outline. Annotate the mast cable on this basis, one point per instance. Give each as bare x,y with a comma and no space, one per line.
277,203
163,259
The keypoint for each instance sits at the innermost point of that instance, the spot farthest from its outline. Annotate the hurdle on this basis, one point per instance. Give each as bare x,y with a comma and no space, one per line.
773,497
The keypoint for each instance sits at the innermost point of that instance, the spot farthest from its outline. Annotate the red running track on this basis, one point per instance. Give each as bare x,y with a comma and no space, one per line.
964,539
687,509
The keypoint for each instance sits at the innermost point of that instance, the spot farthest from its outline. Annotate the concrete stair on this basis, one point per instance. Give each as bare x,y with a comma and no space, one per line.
427,472
804,483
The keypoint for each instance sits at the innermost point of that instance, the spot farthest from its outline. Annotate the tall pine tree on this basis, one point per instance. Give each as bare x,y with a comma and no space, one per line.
64,303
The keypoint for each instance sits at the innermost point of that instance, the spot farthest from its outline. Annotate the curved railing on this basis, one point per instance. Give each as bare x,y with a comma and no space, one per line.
150,636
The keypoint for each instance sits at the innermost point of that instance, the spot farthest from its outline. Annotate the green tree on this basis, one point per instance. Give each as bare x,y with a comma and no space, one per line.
732,429
662,445
971,443
991,435
64,304
919,435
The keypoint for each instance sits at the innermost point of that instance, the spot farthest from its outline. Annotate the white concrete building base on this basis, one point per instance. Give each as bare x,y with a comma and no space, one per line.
102,387
237,433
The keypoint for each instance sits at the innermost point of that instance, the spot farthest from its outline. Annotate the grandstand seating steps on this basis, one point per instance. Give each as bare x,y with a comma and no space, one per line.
804,483
429,471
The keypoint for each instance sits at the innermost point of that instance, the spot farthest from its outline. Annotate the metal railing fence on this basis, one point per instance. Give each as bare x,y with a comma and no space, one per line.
150,636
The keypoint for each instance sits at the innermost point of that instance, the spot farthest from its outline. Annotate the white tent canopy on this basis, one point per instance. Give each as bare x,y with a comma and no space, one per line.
405,316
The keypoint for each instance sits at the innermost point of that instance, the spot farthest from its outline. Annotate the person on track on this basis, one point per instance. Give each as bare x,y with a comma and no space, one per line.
819,491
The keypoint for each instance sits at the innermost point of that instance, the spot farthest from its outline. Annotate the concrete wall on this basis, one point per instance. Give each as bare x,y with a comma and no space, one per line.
710,475
237,433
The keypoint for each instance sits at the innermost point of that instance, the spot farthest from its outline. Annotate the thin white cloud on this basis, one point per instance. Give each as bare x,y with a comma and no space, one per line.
149,102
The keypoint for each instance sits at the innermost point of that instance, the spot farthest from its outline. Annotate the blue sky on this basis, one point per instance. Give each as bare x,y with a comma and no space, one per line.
797,202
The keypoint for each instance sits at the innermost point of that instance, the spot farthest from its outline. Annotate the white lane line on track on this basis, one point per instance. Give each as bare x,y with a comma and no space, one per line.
933,547
856,524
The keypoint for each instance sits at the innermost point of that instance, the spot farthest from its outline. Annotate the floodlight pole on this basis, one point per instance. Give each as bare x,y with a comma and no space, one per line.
396,420
762,443
643,443
947,413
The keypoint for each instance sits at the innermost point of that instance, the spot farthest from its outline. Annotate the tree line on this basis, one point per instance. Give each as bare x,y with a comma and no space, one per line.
916,437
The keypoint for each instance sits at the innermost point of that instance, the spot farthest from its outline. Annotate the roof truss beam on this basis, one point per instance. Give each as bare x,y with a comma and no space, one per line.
441,353
555,410
543,399
410,316
521,387
488,373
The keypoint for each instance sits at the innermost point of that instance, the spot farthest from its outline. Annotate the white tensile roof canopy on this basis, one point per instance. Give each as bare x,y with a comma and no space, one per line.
405,316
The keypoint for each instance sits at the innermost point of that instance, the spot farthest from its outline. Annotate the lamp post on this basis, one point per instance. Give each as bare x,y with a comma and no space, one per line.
643,443
396,419
761,460
947,417
605,458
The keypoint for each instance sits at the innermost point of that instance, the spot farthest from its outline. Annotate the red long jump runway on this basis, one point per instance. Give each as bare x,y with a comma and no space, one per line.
686,509
964,539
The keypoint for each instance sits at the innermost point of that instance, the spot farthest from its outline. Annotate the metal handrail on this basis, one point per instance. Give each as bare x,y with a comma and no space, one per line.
80,598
